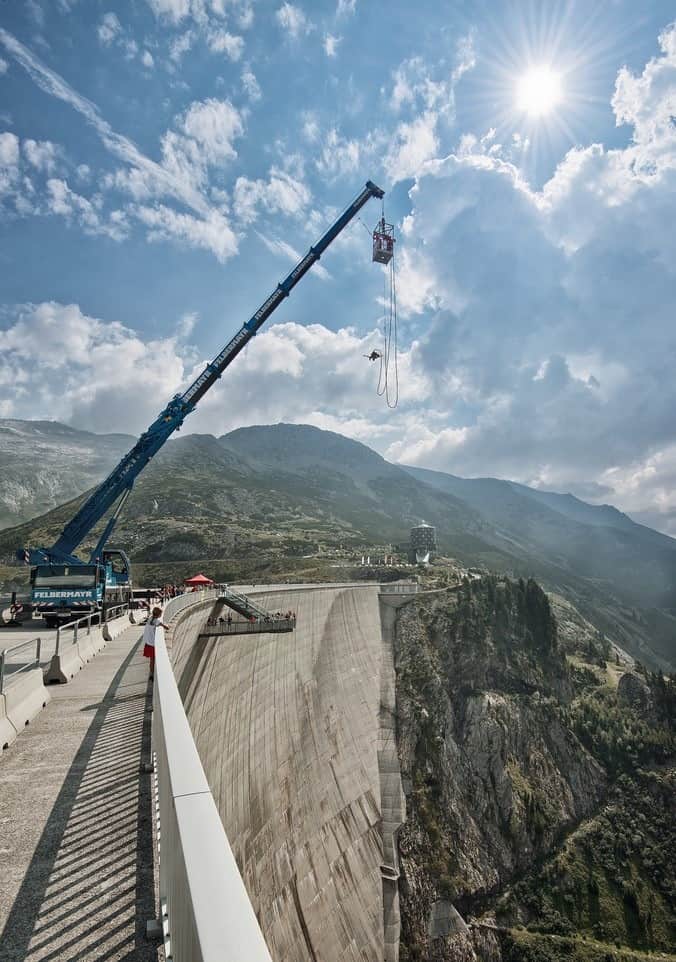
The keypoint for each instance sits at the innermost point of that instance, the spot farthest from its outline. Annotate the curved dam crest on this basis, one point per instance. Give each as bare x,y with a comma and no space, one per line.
296,735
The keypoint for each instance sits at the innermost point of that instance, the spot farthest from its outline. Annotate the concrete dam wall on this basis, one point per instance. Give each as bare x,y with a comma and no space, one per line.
296,737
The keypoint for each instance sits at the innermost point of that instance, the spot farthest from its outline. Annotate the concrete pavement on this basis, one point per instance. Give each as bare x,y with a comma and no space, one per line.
76,840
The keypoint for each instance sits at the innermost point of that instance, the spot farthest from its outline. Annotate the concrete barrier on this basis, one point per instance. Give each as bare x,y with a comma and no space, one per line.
89,643
7,730
24,698
64,666
111,629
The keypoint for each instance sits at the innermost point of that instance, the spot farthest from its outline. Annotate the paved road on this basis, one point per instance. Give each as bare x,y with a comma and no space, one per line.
28,631
76,841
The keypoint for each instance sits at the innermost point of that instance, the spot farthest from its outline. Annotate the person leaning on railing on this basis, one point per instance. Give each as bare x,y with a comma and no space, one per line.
152,624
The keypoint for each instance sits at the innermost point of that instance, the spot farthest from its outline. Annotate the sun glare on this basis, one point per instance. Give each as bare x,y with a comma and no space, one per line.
539,91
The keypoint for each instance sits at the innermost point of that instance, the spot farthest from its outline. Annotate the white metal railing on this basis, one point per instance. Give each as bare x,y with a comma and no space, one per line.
399,587
108,615
74,626
7,676
206,912
179,602
256,627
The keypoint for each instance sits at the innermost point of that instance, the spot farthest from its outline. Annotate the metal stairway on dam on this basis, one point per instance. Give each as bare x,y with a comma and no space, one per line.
243,606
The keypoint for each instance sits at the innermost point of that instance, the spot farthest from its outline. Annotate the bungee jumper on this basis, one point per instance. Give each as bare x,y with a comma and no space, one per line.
373,356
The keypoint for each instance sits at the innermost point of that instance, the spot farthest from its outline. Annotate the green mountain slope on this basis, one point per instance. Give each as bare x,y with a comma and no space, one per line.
284,499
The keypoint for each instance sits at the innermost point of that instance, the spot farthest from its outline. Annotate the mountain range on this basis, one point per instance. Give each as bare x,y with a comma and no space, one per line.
292,500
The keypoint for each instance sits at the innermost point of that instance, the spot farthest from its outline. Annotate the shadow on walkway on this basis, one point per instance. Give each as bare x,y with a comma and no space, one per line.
90,886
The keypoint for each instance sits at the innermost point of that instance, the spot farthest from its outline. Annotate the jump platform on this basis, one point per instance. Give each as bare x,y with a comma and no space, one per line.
250,627
252,618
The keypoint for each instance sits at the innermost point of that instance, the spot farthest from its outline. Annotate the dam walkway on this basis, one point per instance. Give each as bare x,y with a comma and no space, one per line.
276,787
76,811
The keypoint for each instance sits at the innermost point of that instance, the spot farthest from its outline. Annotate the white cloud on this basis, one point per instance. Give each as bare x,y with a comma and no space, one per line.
220,41
346,8
186,325
4,66
73,207
52,355
111,32
465,58
280,193
9,161
312,375
212,233
339,155
180,46
415,85
41,154
213,125
121,147
648,102
547,356
331,44
203,12
414,143
310,128
109,29
427,94
51,358
172,10
9,149
293,20
251,86
147,60
246,18
203,137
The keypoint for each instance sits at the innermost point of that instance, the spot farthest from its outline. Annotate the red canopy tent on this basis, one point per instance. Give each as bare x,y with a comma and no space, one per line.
198,581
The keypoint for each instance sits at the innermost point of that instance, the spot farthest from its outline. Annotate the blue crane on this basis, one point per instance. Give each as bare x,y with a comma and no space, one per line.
62,582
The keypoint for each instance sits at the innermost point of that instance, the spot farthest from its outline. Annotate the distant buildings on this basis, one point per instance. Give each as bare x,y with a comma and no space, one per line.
423,543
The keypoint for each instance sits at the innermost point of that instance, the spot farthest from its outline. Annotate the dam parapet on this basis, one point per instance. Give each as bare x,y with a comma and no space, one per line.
296,735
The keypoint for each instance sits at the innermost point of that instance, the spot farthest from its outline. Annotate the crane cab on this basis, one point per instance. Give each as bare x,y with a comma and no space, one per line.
383,242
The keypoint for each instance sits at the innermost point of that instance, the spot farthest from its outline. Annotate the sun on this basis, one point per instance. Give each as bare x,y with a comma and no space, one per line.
539,91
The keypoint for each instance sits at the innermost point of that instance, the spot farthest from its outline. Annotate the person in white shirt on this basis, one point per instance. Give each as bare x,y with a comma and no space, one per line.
152,624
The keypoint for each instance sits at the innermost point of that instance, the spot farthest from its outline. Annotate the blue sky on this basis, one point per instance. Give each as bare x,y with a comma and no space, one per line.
163,161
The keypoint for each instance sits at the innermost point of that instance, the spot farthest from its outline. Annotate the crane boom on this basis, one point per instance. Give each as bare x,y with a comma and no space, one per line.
119,482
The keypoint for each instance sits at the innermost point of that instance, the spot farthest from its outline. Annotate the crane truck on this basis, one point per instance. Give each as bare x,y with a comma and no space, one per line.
64,586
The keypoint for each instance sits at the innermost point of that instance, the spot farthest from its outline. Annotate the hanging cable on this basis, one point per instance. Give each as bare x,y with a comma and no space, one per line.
389,359
383,253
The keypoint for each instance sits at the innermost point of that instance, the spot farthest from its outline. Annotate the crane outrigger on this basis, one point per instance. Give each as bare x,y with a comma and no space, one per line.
63,585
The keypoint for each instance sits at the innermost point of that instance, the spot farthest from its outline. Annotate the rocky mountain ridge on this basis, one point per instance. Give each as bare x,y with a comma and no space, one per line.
44,463
292,500
539,773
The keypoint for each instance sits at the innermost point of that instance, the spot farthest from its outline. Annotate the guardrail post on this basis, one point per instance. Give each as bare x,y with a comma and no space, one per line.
2,671
75,627
58,640
37,653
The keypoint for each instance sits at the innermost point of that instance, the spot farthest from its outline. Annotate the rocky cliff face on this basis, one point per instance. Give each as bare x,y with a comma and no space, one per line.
495,768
